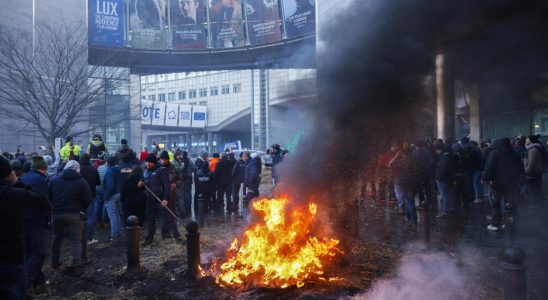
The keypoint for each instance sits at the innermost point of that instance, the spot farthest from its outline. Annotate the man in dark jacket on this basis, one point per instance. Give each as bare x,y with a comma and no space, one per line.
276,160
91,175
70,195
403,170
96,147
113,181
238,178
445,178
156,178
203,184
503,171
187,168
423,166
252,178
36,224
223,176
175,181
534,167
14,197
203,156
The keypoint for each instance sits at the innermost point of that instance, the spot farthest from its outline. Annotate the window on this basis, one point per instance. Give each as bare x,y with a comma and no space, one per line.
225,89
203,103
144,97
162,97
182,95
192,94
237,88
152,97
214,91
203,92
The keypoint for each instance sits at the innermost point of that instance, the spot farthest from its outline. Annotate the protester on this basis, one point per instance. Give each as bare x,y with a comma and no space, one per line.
70,151
203,184
223,178
91,175
445,176
114,177
96,147
175,181
534,167
238,178
252,178
133,196
277,158
187,168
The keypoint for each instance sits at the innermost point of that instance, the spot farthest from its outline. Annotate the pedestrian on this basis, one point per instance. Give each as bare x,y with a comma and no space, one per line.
423,171
52,169
386,181
203,156
186,169
17,168
36,224
156,179
203,185
70,196
214,183
15,196
404,181
70,150
96,147
223,177
445,178
91,175
169,222
99,212
252,178
277,158
503,171
534,167
114,177
143,155
133,196
238,178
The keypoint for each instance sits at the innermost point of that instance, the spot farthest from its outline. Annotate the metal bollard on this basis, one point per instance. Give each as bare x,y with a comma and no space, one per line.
84,240
424,224
133,254
514,277
193,254
201,209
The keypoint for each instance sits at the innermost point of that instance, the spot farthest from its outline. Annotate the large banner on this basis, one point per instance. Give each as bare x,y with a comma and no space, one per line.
106,26
147,110
188,24
226,21
300,17
159,113
264,22
172,113
185,112
199,116
148,24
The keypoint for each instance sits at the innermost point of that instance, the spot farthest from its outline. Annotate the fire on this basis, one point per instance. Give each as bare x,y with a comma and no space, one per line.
278,251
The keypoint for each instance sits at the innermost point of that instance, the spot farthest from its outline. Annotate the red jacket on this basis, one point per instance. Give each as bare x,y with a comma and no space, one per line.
143,155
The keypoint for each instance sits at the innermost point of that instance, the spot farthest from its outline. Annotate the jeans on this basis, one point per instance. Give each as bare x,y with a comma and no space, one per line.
478,186
13,281
508,196
72,223
113,210
236,196
447,193
99,208
92,216
399,194
404,196
36,248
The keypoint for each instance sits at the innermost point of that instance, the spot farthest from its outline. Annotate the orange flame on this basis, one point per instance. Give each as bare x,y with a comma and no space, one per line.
279,251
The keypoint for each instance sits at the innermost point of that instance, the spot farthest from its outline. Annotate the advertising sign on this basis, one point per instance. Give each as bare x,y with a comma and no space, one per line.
172,113
148,24
159,114
199,116
106,20
226,21
147,110
185,112
188,24
264,22
300,17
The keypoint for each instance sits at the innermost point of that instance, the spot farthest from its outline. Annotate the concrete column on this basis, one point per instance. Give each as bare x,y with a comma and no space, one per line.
475,122
445,97
135,138
210,142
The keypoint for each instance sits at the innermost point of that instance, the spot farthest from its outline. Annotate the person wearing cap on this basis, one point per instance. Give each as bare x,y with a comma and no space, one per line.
169,223
223,177
91,175
70,150
15,196
70,195
277,158
113,181
156,179
534,167
252,178
96,147
17,168
203,156
36,224
238,178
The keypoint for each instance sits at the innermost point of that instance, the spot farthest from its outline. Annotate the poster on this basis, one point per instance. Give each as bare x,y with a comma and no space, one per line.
106,26
188,24
148,24
264,24
300,17
159,112
226,21
172,114
184,115
147,110
199,116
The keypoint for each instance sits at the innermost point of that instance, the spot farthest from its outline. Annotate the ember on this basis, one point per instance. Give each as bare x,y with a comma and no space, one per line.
280,251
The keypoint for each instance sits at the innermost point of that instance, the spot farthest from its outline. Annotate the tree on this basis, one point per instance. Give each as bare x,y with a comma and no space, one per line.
48,82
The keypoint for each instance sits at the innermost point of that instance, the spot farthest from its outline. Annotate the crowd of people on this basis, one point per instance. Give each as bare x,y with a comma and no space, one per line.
504,173
65,196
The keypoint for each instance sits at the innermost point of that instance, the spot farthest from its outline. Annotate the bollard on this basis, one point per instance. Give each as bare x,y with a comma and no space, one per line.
509,231
193,254
201,209
84,240
514,277
133,254
424,225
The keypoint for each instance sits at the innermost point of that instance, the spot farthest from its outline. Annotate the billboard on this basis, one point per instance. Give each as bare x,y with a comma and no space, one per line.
263,19
300,17
184,115
172,114
226,21
147,110
158,118
148,24
188,24
106,23
199,116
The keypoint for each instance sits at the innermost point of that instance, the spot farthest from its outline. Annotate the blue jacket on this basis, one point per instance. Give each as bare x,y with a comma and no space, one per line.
36,217
157,180
114,178
253,174
69,193
445,170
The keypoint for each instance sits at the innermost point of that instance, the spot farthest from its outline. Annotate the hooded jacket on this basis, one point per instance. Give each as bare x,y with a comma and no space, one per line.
503,167
13,199
223,171
238,172
36,217
253,174
90,175
69,193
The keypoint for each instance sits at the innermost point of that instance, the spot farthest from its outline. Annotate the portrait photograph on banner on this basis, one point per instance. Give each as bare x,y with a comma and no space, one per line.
300,17
106,23
188,24
264,24
226,21
148,24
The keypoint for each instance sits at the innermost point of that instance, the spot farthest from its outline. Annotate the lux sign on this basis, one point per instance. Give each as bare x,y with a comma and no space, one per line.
107,8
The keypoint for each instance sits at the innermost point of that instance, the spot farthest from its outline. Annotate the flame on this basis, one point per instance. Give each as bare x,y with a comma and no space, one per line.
279,251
